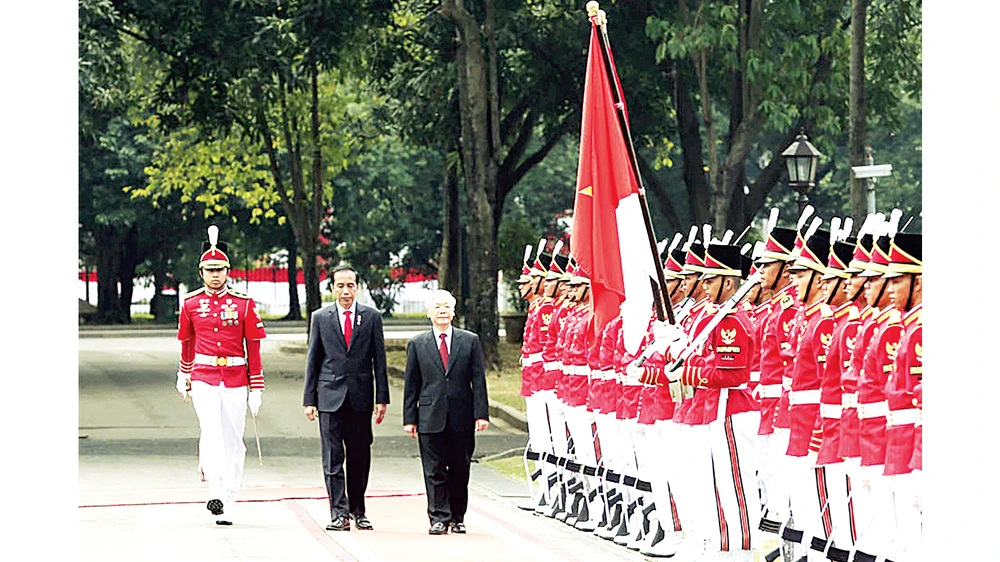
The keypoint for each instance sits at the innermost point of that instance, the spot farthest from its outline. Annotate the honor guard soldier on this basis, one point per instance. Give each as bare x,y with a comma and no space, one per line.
545,383
873,508
773,265
905,274
535,334
220,367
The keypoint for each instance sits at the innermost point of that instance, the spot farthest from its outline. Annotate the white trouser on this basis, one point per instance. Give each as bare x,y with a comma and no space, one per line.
909,526
539,439
664,454
876,515
695,496
222,416
819,505
734,457
612,450
774,487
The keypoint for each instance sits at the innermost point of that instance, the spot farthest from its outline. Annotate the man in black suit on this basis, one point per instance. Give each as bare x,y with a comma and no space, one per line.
444,400
345,382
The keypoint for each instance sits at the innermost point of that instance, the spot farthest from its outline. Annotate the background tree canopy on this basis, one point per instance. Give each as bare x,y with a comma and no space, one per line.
442,136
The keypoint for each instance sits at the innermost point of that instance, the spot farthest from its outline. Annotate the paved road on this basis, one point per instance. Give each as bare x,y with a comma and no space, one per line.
140,498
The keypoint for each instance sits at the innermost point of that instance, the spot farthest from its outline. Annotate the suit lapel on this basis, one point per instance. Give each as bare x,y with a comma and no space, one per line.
335,315
456,348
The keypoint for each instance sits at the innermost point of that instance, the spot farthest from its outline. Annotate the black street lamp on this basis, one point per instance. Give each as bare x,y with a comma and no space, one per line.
801,157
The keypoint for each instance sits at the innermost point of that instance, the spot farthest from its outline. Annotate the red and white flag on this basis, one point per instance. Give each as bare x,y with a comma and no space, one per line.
609,234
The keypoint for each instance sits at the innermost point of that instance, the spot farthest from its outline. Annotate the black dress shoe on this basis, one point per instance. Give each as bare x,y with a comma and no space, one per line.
215,506
362,522
438,528
339,523
458,527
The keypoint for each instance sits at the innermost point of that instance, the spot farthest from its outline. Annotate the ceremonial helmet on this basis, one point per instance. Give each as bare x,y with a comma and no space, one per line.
814,253
725,260
905,255
213,252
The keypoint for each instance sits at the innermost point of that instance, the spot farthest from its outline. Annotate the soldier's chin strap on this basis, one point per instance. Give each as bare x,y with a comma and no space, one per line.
833,293
809,285
858,293
909,296
778,276
718,295
881,291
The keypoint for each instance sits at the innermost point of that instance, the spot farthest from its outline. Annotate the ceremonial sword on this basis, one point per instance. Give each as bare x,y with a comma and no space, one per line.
256,435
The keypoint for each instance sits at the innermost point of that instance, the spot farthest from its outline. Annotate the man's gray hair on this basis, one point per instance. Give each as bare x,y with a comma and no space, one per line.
441,294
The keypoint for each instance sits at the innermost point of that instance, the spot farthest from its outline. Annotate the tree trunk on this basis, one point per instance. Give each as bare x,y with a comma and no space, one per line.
856,132
108,243
479,164
294,310
450,268
691,148
126,271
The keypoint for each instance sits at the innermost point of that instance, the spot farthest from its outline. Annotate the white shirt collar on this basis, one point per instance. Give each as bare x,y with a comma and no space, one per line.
354,310
447,335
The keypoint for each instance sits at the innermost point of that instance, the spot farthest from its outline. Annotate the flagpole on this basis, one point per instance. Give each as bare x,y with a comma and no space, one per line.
660,300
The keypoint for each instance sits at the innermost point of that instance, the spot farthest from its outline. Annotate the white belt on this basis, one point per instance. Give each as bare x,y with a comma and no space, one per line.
754,376
902,417
830,411
873,410
552,365
769,390
629,381
802,397
531,359
849,400
577,370
786,383
201,359
603,375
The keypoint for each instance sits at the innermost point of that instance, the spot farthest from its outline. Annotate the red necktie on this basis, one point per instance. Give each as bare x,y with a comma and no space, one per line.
444,351
347,327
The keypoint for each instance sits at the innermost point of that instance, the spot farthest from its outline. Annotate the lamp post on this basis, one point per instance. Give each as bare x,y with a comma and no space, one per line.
801,157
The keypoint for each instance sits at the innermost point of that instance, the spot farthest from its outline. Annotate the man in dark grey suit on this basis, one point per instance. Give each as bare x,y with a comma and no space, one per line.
345,382
444,401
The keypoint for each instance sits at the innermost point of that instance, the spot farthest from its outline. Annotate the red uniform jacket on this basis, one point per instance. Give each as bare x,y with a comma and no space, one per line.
803,398
789,349
220,337
854,350
872,406
576,370
772,366
537,328
907,370
550,355
831,393
725,364
603,378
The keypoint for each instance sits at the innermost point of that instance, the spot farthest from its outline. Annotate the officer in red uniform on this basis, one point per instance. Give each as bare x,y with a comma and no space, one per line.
220,333
873,500
535,334
905,274
773,264
810,489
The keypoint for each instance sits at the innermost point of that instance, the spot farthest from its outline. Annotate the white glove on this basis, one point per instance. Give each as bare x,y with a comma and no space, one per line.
183,384
633,372
678,345
254,400
674,375
664,336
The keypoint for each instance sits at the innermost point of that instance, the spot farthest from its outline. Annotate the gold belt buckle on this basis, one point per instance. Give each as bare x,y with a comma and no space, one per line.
220,361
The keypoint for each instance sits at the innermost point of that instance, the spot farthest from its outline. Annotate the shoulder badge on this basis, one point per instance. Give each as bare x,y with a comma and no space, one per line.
826,310
853,314
239,294
787,301
895,317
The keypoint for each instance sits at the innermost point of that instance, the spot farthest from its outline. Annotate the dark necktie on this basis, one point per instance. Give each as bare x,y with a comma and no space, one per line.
347,327
444,350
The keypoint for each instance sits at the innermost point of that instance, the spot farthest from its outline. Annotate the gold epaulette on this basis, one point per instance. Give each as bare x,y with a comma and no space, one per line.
895,317
787,301
826,311
194,292
853,314
239,294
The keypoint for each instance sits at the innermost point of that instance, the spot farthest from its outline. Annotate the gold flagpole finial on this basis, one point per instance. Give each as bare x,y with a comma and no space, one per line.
592,8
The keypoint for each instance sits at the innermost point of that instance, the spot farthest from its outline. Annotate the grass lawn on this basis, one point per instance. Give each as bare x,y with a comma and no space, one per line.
511,467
